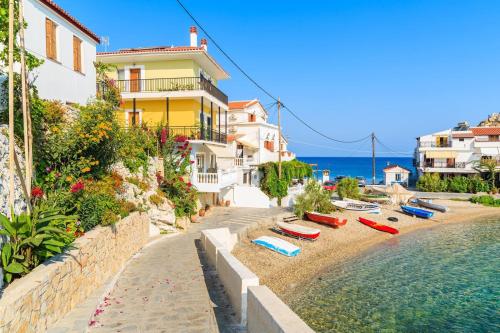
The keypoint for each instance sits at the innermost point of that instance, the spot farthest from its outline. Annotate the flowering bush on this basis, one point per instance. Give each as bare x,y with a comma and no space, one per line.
177,168
136,144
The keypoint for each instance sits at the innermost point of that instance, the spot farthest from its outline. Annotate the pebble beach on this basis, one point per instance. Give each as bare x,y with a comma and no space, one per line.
283,274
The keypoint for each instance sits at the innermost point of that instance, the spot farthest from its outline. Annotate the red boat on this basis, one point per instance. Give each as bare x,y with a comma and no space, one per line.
377,226
326,219
298,231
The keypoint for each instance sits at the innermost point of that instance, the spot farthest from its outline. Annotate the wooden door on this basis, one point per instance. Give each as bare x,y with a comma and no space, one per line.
133,120
135,79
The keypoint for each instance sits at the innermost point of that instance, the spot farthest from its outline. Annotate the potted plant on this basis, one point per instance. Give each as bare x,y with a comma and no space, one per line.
228,203
207,207
202,212
194,218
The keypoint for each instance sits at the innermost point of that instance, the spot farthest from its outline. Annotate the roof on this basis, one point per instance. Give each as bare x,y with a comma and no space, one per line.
462,134
238,105
56,8
394,166
479,131
153,49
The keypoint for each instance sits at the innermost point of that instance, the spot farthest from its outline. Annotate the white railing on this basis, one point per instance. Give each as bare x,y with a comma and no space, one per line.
238,161
208,178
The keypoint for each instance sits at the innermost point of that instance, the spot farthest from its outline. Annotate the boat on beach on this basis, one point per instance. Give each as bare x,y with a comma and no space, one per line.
414,211
325,219
278,245
430,205
356,205
298,231
378,226
375,198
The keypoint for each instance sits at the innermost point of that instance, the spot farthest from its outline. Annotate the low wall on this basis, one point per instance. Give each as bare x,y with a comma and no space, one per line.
261,312
51,290
236,278
267,313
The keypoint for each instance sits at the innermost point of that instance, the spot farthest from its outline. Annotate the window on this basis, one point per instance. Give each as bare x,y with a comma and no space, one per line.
461,139
398,177
200,162
121,74
252,118
77,54
50,39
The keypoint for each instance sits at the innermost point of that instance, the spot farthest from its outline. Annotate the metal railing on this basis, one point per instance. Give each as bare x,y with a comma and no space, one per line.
196,133
169,84
435,144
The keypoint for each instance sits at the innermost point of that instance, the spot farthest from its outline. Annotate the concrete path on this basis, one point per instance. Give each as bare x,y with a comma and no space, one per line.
168,287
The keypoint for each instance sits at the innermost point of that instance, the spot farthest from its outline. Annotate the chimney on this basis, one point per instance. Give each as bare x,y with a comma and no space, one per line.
204,44
193,34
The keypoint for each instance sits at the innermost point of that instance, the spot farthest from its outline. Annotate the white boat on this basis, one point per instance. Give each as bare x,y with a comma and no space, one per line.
298,231
430,205
277,244
359,206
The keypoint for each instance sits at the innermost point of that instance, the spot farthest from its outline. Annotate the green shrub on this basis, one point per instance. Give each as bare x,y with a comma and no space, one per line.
97,208
459,184
156,199
348,188
477,184
431,182
136,144
486,200
314,199
142,185
275,188
126,207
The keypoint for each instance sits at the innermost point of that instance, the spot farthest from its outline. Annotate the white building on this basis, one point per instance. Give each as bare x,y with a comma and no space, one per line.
396,174
68,49
457,151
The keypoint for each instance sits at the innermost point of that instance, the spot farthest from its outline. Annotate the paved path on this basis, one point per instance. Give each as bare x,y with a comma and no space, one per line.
164,288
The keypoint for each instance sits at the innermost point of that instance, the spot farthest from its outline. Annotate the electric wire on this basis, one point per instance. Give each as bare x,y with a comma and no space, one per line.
251,79
391,150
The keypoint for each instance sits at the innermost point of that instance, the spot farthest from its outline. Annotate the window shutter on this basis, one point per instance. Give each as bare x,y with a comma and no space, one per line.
48,37
77,57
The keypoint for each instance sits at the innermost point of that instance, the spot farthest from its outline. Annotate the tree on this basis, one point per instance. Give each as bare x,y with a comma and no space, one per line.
490,165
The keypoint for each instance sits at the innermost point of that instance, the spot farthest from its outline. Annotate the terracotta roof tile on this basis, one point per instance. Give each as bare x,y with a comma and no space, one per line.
237,105
56,8
156,49
389,167
462,135
479,131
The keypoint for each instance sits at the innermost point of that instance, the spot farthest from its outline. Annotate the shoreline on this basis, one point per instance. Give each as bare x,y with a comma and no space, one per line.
335,246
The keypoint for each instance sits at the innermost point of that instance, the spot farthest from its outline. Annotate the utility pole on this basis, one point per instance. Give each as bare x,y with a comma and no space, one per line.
373,158
279,138
11,104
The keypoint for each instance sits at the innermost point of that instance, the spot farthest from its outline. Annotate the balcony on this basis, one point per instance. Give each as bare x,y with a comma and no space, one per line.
169,84
197,133
427,144
213,182
445,165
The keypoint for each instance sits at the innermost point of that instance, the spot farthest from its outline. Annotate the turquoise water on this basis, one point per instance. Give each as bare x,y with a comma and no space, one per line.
445,279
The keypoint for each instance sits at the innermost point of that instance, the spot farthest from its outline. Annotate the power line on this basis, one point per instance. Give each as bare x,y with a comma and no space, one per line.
258,85
391,150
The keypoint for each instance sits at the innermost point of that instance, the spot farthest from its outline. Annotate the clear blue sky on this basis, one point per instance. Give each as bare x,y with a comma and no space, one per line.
399,68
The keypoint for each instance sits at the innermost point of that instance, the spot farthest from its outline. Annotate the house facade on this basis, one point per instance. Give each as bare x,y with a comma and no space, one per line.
396,174
457,151
176,88
68,49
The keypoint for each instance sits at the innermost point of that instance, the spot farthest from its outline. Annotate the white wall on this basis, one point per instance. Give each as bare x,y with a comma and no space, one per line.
58,80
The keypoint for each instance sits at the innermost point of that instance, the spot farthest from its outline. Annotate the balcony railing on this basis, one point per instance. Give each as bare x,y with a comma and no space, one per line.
196,133
208,178
445,165
435,144
169,84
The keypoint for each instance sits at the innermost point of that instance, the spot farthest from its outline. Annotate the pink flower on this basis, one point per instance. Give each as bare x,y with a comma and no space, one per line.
192,162
77,187
180,138
189,184
163,138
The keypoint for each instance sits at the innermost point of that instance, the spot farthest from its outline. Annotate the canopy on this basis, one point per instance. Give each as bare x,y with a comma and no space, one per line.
246,142
441,154
220,152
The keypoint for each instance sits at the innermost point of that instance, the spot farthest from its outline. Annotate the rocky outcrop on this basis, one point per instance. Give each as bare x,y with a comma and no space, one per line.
493,120
141,188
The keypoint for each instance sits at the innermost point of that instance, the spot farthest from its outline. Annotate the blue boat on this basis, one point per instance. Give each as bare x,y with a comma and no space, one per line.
425,214
277,244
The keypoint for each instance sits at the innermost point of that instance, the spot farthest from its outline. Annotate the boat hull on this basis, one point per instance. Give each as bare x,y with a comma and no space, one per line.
378,226
326,219
430,205
355,205
278,245
299,231
422,213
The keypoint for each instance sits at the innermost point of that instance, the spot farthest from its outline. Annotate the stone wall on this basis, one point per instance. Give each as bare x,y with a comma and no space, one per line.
51,290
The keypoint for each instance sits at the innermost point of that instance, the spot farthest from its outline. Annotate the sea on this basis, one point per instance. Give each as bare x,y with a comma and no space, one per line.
357,166
443,279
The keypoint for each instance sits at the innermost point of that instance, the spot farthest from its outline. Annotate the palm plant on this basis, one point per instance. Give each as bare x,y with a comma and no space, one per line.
490,165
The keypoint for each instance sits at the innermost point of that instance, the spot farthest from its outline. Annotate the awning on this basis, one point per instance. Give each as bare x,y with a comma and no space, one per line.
247,143
441,154
220,152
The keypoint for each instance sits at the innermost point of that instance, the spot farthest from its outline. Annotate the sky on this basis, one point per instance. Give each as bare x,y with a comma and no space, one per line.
400,69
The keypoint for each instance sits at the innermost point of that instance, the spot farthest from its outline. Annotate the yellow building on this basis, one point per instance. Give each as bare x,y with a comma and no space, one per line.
172,86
